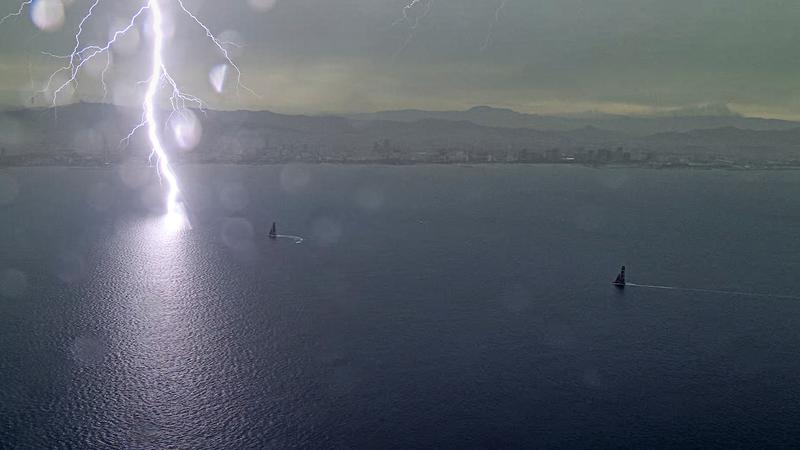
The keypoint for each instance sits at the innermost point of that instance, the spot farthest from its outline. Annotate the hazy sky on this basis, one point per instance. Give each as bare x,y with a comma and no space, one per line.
539,56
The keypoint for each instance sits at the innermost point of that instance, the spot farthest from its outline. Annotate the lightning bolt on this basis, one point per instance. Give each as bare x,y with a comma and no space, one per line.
493,24
157,71
18,13
159,76
413,23
220,45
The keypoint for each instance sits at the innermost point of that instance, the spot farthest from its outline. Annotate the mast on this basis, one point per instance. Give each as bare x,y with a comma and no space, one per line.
620,280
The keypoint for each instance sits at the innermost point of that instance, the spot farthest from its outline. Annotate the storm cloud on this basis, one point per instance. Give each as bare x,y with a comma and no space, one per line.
553,56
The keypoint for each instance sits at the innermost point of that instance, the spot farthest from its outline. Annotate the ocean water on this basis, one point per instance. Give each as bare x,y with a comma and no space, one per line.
447,307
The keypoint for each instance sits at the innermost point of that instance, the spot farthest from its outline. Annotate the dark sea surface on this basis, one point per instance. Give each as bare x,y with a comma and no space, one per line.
447,307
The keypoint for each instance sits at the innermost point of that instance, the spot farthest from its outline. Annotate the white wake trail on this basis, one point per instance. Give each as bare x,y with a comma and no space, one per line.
714,291
297,239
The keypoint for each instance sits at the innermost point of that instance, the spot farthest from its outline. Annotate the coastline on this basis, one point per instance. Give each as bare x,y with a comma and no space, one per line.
471,164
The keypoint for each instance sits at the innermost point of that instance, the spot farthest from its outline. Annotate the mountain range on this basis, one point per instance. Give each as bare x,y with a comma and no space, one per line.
96,129
678,121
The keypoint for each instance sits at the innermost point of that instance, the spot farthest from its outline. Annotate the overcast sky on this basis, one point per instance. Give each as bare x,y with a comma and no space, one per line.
627,56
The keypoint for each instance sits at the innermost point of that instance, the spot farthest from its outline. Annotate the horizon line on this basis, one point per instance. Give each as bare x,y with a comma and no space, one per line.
587,114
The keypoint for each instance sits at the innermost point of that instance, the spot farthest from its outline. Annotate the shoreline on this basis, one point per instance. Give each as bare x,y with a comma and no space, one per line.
367,163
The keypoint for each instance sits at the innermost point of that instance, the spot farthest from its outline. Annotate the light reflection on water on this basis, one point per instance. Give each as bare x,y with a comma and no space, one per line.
163,332
175,221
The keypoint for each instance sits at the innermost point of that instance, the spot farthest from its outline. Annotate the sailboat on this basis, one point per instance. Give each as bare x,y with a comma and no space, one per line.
620,280
273,232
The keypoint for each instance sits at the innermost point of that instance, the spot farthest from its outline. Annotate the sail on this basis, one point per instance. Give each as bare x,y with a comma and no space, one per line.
273,231
621,277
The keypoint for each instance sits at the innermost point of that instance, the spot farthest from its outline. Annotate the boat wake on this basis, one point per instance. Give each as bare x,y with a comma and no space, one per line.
273,234
714,291
296,239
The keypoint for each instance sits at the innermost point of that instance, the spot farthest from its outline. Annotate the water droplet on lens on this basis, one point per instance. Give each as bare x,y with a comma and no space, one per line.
47,15
217,77
186,129
262,5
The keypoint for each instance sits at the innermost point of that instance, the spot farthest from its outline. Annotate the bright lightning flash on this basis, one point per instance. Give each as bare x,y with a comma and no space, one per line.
157,70
159,75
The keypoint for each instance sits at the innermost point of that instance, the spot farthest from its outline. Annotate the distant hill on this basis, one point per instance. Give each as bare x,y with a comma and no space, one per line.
729,140
94,131
678,121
